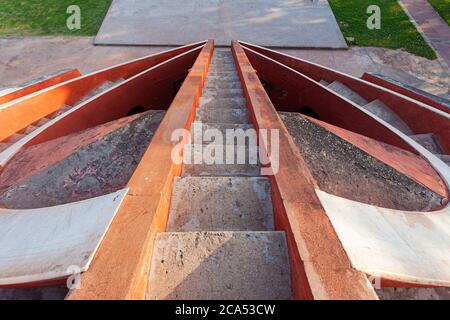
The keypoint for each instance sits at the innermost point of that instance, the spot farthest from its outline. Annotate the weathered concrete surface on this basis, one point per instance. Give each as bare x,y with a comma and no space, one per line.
32,160
248,167
236,116
344,91
414,294
24,58
378,108
236,102
343,170
98,168
221,204
44,293
220,265
300,23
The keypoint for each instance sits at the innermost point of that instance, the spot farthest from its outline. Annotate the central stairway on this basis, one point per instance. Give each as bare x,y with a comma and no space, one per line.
220,241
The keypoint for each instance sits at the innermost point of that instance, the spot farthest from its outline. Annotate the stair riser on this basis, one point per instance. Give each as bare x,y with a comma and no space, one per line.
232,204
237,116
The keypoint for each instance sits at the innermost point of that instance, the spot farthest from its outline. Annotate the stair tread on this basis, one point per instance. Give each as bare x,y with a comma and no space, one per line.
16,137
222,103
428,141
227,131
30,129
236,116
234,160
221,204
220,265
61,111
382,111
42,122
348,93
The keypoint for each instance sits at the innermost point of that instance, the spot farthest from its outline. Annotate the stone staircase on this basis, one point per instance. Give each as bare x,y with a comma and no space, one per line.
220,241
29,129
382,111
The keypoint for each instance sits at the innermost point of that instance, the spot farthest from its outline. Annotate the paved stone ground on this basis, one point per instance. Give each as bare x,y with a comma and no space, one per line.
431,24
281,23
24,58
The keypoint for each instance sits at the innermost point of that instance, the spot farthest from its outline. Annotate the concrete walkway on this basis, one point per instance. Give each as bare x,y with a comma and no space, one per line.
281,23
431,24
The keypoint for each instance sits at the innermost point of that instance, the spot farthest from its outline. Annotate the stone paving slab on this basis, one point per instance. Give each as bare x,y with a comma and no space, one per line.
431,24
283,23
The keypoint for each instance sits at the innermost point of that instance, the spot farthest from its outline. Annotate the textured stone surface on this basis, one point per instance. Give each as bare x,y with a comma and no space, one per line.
236,116
222,103
209,165
302,23
221,204
344,91
202,129
344,170
220,265
379,109
44,293
414,294
101,167
32,160
428,141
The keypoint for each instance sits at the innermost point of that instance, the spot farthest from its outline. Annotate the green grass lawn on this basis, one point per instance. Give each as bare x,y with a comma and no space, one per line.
396,29
443,8
48,17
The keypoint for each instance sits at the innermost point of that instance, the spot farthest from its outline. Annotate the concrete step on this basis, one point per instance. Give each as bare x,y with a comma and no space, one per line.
225,62
218,85
29,129
4,146
379,109
101,88
221,204
228,132
222,103
323,82
216,80
42,122
346,92
220,265
236,116
222,68
229,77
213,73
16,137
445,158
234,160
428,141
222,93
61,111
